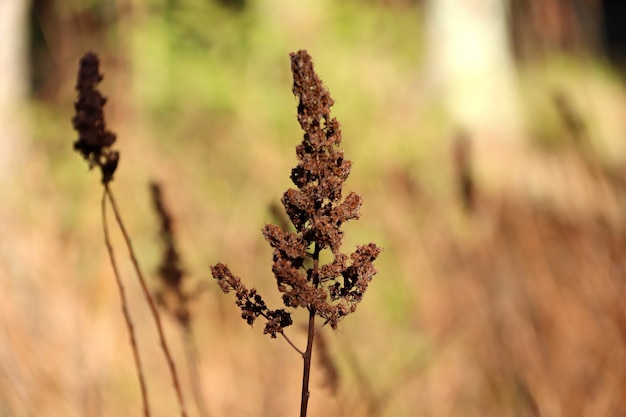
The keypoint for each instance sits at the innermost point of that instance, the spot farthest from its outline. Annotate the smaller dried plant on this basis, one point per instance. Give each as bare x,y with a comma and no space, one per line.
465,182
317,211
94,144
171,295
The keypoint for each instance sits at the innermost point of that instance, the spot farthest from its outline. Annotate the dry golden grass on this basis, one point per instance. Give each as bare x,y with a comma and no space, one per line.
514,310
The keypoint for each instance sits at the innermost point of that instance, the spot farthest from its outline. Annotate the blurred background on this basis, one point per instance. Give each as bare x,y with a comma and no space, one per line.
488,143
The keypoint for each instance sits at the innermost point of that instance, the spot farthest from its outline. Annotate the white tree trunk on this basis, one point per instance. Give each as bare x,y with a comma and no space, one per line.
13,85
470,65
470,61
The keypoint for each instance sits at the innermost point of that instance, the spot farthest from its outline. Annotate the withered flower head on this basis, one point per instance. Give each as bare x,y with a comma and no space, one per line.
94,140
251,304
317,210
171,273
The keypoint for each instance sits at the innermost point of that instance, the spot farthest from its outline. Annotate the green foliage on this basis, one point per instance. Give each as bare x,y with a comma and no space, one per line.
197,57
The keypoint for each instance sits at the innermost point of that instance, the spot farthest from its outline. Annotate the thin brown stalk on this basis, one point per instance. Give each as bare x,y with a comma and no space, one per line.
306,373
192,364
308,354
292,344
127,318
153,309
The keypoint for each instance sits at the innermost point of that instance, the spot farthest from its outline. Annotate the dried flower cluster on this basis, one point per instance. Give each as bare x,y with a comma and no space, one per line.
251,304
317,210
94,140
171,295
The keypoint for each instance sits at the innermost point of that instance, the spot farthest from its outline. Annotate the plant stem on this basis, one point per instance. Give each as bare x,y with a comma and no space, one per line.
194,375
306,373
304,402
151,304
127,318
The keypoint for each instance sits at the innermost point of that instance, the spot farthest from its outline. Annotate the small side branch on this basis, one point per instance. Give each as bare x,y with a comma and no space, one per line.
127,318
292,344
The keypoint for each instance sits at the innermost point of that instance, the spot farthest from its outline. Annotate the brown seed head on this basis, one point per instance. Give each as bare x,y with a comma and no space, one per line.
94,140
317,210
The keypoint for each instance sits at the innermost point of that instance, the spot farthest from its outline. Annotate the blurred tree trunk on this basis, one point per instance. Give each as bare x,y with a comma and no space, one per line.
614,32
539,28
13,85
470,61
471,64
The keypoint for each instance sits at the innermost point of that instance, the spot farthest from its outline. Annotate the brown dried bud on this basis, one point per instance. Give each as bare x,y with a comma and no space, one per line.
94,140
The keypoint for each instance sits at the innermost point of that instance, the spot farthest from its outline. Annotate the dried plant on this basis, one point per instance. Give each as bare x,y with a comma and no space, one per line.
317,210
171,295
94,144
573,121
327,363
465,182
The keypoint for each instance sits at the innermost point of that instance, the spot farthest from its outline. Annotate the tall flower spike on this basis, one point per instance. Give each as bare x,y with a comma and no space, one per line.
94,140
317,211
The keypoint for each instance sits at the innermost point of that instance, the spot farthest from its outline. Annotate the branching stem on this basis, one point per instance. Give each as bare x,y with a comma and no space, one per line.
127,318
151,304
